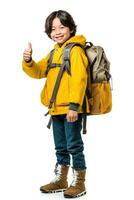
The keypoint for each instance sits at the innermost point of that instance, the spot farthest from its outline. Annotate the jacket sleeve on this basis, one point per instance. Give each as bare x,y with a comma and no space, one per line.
73,106
36,69
78,78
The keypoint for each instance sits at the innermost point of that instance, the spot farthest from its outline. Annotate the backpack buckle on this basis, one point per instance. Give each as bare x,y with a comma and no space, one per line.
66,58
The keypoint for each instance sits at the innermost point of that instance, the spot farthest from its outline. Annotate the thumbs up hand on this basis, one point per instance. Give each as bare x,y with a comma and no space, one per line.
27,54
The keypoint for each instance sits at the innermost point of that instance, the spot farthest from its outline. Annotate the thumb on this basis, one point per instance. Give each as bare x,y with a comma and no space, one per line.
30,46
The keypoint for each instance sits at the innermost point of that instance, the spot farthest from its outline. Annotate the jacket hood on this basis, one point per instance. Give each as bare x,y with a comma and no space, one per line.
80,39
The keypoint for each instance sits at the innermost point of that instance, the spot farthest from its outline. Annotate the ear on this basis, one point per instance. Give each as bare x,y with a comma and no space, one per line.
71,31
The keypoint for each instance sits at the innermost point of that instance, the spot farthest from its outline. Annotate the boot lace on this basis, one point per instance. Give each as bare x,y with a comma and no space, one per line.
75,178
57,173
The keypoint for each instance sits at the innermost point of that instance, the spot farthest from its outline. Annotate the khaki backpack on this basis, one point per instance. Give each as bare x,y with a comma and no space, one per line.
98,89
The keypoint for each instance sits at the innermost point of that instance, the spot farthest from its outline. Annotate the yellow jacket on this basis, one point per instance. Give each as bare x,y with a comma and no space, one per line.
72,88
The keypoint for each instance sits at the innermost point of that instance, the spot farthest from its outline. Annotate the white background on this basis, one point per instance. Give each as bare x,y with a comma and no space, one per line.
27,155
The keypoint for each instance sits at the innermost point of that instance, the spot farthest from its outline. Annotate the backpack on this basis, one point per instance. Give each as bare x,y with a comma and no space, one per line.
98,90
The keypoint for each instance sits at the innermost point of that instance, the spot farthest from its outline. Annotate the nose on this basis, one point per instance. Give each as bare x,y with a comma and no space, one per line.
58,32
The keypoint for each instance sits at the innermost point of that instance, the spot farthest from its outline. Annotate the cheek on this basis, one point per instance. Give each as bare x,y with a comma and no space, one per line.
67,33
51,35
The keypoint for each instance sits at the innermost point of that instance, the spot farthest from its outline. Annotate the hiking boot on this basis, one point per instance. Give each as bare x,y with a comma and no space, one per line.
59,183
77,187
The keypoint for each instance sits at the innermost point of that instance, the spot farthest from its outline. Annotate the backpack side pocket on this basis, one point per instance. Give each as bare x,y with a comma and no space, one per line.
101,101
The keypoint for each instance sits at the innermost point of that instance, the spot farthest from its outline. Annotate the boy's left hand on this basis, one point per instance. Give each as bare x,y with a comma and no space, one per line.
72,116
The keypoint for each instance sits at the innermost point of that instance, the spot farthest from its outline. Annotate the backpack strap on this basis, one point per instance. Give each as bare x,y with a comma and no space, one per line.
50,64
55,90
65,65
50,57
66,56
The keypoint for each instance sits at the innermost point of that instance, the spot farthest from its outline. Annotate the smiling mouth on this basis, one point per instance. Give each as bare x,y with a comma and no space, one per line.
59,37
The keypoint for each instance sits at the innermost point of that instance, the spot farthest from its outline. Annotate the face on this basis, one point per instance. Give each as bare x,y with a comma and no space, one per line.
59,33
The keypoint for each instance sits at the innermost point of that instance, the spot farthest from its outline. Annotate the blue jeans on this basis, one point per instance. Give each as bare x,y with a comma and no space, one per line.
68,141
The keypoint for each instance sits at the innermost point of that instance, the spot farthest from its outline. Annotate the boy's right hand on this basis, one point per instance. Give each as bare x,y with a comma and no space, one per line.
27,54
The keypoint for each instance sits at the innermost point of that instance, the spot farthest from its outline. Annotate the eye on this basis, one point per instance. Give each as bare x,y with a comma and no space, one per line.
62,27
53,29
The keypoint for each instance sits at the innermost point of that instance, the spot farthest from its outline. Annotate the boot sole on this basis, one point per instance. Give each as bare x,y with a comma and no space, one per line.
52,191
79,195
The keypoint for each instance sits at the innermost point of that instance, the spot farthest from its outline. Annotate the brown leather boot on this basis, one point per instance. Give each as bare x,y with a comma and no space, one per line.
77,187
60,183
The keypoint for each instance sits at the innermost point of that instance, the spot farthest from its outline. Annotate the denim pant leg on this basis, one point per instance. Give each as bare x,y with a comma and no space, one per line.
75,144
60,141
